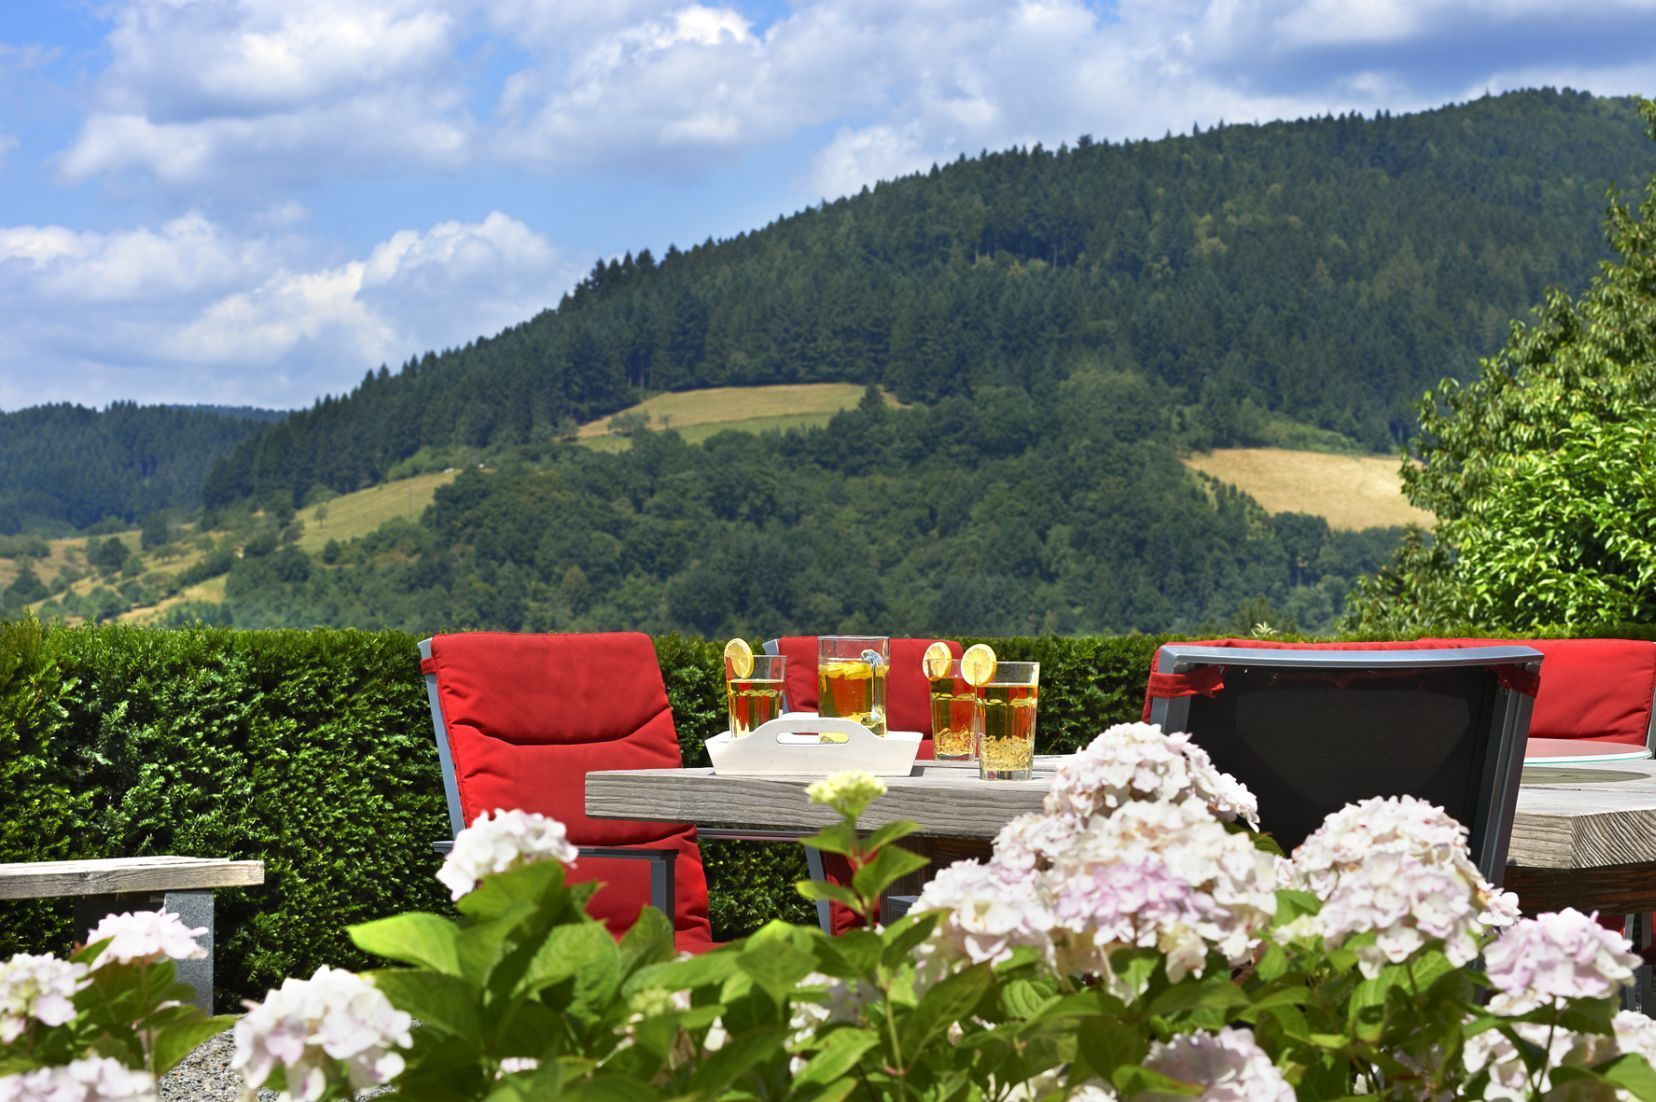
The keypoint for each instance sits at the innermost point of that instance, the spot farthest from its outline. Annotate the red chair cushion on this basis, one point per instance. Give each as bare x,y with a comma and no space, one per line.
528,716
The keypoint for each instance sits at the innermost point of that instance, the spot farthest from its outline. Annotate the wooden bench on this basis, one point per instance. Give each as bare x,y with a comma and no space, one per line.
111,885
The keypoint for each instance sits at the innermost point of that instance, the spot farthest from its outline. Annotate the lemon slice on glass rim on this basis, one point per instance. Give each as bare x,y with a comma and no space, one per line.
936,661
977,665
740,656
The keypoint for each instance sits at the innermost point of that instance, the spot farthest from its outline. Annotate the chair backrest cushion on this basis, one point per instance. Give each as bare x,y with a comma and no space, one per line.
528,716
908,693
1600,690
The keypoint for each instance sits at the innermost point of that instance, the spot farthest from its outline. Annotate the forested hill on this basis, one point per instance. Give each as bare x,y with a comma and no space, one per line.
1327,269
65,464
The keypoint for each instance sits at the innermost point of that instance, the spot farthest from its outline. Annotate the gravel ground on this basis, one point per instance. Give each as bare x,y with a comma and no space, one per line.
205,1076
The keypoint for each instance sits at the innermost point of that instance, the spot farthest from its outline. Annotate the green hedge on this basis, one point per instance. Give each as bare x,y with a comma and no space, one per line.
312,751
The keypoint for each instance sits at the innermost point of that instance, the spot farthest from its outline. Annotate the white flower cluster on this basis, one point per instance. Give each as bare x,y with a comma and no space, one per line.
311,1028
93,1079
1398,867
821,1000
1131,852
848,792
501,841
39,987
1565,955
1228,1065
1167,876
1509,1077
1138,761
146,936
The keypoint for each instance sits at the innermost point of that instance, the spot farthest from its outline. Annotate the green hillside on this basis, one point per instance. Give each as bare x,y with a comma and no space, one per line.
1326,270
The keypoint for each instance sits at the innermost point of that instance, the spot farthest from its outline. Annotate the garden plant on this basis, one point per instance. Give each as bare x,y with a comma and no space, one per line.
1137,940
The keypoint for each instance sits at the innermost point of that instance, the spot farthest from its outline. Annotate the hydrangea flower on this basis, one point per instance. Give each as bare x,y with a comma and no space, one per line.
1228,1065
1509,1077
1564,955
848,793
1398,867
987,912
1407,905
1138,761
1167,875
39,987
146,936
1029,843
93,1079
500,842
313,1028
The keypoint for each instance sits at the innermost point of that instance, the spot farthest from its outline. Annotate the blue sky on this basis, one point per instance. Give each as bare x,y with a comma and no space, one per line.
256,201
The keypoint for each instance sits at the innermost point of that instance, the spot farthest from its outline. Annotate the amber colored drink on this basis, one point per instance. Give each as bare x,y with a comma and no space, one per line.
1006,731
951,720
853,689
752,701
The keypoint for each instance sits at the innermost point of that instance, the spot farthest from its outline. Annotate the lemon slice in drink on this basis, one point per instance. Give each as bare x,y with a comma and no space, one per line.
936,661
977,665
740,656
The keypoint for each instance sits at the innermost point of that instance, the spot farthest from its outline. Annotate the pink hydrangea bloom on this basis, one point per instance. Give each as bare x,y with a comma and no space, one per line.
146,936
1211,888
38,987
1563,955
1408,904
93,1079
1028,843
499,842
335,1023
1228,1065
1138,761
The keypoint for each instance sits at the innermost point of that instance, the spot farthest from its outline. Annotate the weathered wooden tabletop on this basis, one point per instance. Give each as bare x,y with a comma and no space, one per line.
1583,835
124,875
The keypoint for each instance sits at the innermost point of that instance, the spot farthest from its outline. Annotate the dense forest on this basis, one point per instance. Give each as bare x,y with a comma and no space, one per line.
994,514
65,465
1328,270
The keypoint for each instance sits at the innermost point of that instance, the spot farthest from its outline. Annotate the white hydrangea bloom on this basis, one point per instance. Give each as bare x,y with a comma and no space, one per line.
313,1028
1563,955
146,936
501,841
1509,1079
1029,843
1408,905
839,1001
93,1079
1138,761
1398,866
40,987
1228,1065
850,790
1092,1092
1636,1033
1167,875
988,911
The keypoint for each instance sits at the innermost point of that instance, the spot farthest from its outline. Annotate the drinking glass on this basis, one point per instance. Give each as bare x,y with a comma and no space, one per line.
756,697
852,671
953,711
1004,722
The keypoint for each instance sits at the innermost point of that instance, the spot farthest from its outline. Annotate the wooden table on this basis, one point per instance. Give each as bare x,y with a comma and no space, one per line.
1583,835
112,885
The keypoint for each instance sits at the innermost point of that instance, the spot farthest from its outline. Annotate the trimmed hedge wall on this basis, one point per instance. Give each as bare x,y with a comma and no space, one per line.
312,750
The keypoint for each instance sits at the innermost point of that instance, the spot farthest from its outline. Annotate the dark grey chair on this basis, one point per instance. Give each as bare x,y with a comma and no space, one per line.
1310,731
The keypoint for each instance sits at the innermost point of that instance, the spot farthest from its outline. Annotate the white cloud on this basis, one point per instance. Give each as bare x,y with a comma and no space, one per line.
195,92
189,312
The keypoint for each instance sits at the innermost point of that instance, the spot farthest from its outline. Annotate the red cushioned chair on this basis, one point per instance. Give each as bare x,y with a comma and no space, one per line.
908,708
521,719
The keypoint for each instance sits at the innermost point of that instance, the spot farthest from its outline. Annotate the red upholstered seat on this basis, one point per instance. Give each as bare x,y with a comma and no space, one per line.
908,708
527,716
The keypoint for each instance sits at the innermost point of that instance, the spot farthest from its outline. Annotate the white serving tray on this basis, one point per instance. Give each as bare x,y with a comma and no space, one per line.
789,745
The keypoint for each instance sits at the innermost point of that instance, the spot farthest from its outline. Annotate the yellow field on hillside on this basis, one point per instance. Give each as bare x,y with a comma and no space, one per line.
351,516
697,414
1349,491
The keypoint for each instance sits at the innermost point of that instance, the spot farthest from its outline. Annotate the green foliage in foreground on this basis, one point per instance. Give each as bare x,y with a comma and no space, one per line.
1542,470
